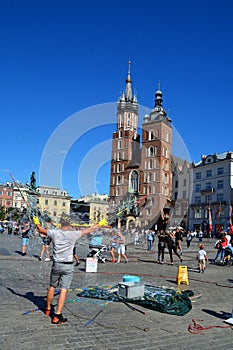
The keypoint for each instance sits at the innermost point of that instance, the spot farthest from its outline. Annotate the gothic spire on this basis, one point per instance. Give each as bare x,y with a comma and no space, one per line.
128,91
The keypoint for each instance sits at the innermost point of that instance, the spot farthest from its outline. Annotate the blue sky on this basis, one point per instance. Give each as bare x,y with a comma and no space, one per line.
60,58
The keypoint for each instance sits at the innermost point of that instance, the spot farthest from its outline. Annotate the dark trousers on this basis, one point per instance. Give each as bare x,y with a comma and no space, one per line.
172,249
161,252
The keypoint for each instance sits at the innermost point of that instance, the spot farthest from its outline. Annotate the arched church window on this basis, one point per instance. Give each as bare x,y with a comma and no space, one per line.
134,181
151,151
151,135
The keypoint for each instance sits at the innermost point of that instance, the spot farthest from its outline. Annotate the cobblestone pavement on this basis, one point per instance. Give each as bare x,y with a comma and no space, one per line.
24,281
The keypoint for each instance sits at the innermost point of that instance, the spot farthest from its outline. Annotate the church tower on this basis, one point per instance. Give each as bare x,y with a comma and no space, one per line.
125,146
156,160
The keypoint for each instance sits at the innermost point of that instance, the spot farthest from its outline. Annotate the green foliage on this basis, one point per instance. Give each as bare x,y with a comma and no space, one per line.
2,213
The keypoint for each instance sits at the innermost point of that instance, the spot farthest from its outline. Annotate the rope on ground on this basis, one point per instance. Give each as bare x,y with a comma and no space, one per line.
196,328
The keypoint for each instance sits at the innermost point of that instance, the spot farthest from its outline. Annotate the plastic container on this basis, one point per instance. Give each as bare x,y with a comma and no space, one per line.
130,278
130,290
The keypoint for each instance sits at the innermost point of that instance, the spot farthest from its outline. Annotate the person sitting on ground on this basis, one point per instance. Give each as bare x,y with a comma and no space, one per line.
63,240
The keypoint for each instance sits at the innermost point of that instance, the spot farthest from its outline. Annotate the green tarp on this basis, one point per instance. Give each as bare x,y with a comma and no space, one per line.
160,299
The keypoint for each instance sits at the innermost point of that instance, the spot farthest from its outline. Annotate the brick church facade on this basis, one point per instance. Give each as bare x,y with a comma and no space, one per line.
141,169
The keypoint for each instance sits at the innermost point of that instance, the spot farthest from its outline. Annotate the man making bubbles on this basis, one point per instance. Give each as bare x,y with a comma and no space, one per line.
63,240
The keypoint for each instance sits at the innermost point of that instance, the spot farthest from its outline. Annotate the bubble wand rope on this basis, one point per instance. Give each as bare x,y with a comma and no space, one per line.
98,313
21,193
33,211
113,218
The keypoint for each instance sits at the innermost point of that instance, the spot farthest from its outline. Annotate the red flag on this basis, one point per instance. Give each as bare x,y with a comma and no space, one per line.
210,222
230,214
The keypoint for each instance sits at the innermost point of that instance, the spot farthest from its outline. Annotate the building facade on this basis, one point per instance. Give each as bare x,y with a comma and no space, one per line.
88,210
212,195
54,201
141,168
182,174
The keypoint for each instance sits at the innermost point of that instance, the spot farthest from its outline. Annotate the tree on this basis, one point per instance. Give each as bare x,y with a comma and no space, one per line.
2,213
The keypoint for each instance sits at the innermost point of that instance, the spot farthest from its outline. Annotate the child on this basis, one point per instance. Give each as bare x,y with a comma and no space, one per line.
202,258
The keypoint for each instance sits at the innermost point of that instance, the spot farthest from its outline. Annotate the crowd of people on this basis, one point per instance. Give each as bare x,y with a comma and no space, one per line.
61,241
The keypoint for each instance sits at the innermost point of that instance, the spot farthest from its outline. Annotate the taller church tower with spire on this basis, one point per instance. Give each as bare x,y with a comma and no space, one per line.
143,169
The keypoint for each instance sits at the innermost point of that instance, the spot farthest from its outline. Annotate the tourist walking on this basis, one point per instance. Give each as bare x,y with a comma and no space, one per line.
150,239
178,239
161,246
45,248
113,245
169,239
188,238
121,248
26,232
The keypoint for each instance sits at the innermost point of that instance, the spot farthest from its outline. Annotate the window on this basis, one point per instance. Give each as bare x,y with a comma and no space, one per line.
198,176
134,181
184,182
128,120
219,184
64,204
55,202
184,194
119,144
220,171
208,185
175,195
208,173
151,152
197,214
220,197
46,202
197,200
198,188
176,184
166,136
151,135
120,120
54,213
208,198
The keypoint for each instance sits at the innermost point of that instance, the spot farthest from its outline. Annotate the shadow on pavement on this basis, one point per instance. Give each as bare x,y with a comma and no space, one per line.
223,315
38,301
